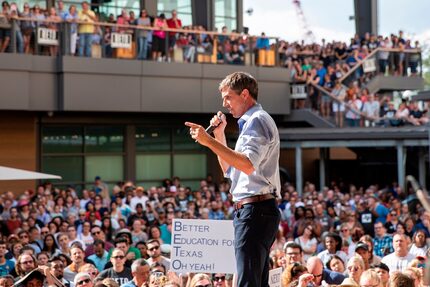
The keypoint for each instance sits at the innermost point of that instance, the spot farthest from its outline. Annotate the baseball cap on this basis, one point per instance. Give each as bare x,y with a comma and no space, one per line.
381,265
362,245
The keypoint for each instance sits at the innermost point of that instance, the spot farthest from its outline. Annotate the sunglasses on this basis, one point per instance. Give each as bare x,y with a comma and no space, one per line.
154,248
355,268
219,278
96,232
84,282
118,257
207,285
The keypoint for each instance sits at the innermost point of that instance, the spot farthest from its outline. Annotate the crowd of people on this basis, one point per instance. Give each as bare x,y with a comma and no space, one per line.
122,237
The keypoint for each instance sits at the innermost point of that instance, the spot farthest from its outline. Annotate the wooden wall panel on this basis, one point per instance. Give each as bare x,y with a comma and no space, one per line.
18,138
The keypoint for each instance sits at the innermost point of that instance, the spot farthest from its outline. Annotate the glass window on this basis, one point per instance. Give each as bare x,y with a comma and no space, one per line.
225,14
109,168
104,139
149,184
183,7
68,167
155,139
189,166
115,7
183,141
153,166
62,140
193,184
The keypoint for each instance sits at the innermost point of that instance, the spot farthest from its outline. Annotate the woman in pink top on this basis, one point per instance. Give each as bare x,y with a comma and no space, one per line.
159,37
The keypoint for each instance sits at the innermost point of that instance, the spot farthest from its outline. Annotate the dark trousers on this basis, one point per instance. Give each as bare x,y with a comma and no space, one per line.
255,227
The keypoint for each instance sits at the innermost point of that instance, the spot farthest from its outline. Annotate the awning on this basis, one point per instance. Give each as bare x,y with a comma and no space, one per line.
8,173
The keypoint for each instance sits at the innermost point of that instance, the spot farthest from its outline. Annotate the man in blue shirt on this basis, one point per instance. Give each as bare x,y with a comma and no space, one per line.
140,272
253,167
5,265
100,256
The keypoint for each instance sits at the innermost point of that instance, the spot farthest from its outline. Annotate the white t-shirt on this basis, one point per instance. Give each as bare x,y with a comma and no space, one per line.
396,263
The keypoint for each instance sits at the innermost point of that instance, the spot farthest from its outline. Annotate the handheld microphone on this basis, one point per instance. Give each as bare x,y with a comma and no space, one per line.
211,128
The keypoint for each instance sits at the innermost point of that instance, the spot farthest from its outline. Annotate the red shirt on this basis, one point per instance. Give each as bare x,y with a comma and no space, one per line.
175,24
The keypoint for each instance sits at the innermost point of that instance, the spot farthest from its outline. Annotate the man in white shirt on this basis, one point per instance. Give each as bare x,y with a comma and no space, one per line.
139,197
400,258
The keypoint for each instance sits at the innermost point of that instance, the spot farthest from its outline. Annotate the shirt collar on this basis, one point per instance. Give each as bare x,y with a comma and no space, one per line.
242,120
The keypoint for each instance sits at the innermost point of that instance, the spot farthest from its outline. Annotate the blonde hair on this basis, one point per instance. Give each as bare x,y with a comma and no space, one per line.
372,275
198,277
356,259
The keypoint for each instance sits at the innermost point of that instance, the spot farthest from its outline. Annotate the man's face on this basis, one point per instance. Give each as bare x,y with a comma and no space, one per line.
3,249
399,243
117,258
420,239
71,232
154,250
27,263
97,233
23,237
383,274
64,240
143,250
364,254
379,229
77,255
123,246
293,255
57,269
142,273
99,250
235,103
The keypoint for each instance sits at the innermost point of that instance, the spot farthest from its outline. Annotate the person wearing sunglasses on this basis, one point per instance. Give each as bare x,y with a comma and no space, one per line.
201,280
355,268
83,279
219,280
154,253
119,272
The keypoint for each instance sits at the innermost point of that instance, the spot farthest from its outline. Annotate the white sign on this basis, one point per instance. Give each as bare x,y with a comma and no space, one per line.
369,65
275,277
47,36
120,40
202,246
298,92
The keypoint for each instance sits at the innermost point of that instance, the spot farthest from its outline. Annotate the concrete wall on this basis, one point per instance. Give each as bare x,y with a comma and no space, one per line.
37,83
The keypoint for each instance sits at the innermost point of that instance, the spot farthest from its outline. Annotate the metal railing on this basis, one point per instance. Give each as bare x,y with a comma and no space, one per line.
123,41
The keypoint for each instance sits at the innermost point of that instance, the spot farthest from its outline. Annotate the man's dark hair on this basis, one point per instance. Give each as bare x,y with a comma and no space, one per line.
27,247
238,81
55,258
292,244
140,243
121,239
381,265
99,242
398,279
153,241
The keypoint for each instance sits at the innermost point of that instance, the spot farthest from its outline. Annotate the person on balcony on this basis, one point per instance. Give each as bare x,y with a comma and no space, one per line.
86,30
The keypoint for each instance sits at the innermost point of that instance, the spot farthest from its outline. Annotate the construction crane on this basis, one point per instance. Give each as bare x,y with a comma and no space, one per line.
308,34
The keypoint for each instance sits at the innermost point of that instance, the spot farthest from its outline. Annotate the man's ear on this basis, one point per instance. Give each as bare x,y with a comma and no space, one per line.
245,94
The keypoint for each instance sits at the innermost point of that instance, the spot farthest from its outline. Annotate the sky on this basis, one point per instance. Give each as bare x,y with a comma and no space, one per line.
329,19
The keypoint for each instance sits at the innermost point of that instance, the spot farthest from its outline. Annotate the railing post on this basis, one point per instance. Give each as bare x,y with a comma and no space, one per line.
276,53
12,46
36,39
103,44
421,63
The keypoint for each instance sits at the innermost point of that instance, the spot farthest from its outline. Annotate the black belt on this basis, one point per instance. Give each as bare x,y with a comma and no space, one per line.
252,199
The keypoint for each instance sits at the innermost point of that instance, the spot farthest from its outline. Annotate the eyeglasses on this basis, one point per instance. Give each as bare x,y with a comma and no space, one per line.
219,278
26,262
96,232
355,268
207,285
84,281
155,248
118,257
344,230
